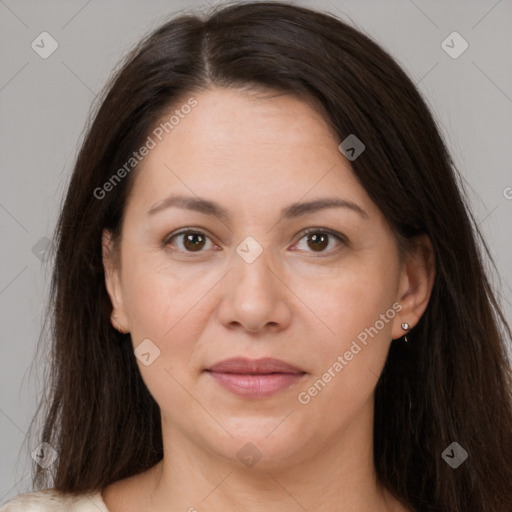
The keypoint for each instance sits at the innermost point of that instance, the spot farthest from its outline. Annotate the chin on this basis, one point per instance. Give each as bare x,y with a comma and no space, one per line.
261,443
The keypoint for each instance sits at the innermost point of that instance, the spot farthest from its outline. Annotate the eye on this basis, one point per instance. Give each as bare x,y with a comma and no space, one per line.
190,240
318,240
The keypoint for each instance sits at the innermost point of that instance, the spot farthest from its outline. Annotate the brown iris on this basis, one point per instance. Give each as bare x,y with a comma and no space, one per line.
193,241
320,241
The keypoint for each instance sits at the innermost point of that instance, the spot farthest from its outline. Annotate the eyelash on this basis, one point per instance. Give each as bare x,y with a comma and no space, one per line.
338,236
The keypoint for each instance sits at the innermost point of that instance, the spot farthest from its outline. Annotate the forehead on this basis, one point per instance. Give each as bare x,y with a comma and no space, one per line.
247,145
232,114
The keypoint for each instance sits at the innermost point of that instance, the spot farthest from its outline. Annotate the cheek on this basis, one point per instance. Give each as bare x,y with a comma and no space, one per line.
357,308
349,299
164,308
157,296
156,306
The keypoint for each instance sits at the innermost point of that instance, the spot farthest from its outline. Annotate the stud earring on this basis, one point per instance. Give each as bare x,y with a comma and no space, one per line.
406,327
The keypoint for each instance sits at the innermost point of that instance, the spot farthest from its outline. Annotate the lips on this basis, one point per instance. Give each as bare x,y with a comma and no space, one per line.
243,365
255,378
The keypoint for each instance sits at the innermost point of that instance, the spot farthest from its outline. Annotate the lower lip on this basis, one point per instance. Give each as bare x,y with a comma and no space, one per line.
256,385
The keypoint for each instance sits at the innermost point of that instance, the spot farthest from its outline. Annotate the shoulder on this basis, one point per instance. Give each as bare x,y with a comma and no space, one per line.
51,500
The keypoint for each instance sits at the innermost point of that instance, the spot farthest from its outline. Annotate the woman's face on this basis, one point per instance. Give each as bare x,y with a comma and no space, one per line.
252,283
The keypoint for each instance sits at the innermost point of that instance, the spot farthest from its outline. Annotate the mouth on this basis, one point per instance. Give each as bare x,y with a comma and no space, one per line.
255,378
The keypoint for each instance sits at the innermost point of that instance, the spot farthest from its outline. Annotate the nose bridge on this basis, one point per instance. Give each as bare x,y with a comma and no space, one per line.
252,297
253,261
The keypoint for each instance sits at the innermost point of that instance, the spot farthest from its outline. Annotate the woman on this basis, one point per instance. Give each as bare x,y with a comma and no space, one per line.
268,292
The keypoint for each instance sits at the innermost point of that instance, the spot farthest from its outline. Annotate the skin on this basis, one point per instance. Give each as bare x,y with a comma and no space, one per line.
254,154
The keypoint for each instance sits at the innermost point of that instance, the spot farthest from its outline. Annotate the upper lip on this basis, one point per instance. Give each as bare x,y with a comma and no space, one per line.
264,365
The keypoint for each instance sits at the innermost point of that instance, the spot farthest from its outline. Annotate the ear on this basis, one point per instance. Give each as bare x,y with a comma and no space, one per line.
111,266
416,281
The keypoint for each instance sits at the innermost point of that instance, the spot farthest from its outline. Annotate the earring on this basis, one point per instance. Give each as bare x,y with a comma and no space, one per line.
406,327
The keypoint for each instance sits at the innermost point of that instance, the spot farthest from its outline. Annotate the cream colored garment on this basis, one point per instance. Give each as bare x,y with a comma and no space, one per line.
50,500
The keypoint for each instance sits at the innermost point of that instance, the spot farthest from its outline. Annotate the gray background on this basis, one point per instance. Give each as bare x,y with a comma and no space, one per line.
45,104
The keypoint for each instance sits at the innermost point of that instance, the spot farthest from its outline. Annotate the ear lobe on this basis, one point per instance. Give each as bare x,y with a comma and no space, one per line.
417,280
112,279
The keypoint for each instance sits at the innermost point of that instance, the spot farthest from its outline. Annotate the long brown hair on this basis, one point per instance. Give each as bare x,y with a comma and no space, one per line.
451,382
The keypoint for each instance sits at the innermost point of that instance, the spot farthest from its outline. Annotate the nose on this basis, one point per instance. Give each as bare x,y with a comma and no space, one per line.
254,297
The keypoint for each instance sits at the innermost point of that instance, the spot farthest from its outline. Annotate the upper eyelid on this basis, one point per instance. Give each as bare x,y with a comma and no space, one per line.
331,232
180,232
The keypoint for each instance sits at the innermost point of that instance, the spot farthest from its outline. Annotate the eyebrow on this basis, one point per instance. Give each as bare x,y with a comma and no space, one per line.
294,210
